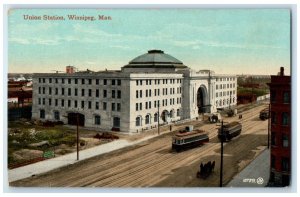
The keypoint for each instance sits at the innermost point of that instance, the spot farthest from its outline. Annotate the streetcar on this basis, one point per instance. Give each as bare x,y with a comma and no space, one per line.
264,114
189,139
230,131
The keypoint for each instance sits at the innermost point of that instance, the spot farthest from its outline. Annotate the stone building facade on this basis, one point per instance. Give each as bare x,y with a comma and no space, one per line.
129,99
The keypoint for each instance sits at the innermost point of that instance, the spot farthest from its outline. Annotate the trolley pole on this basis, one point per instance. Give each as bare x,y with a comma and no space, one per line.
77,141
269,126
158,117
221,165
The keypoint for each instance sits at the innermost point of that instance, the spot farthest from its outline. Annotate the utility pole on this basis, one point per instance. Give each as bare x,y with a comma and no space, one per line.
77,136
158,117
269,125
221,165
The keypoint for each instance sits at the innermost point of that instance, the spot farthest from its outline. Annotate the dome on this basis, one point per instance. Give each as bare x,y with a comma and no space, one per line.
155,59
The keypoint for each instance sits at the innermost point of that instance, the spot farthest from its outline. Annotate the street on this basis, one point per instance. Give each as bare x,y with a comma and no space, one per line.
154,164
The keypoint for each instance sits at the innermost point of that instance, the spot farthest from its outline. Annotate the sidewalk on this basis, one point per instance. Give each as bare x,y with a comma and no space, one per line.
54,163
256,174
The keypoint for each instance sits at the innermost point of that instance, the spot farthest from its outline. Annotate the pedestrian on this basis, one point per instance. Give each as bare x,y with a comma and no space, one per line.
170,127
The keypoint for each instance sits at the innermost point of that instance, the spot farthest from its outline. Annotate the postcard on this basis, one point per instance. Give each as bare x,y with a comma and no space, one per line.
149,98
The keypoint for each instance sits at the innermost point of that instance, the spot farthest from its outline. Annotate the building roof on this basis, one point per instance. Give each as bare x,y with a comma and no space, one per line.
155,59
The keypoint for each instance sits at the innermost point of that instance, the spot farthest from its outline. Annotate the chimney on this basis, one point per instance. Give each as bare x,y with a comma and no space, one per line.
70,69
281,71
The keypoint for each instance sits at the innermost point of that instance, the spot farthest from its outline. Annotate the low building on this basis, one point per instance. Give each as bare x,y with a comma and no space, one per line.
154,86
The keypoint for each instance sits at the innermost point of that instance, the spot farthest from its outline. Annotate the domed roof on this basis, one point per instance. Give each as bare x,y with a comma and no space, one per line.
155,59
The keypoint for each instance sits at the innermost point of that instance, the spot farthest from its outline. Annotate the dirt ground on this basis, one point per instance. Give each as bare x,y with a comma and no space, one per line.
154,164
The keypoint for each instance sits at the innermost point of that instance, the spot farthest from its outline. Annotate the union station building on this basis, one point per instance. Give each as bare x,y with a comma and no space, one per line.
152,86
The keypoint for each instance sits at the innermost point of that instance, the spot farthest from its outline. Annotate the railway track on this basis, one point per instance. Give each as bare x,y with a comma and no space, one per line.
146,164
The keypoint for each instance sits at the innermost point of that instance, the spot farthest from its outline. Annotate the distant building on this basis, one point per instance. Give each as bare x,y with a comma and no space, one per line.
280,89
129,99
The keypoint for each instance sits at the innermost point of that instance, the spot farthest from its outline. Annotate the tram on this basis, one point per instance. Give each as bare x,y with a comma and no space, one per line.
189,139
230,130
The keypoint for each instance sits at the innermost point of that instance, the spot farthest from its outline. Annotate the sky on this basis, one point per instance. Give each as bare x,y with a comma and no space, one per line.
228,41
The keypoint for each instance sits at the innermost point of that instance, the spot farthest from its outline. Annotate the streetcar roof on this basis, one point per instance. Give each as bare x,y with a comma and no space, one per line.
190,134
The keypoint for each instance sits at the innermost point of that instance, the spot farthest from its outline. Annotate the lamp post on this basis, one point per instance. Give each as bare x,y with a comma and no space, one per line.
221,163
77,140
158,117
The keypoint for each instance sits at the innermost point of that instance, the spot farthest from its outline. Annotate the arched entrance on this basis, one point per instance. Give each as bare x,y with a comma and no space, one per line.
72,119
165,115
202,100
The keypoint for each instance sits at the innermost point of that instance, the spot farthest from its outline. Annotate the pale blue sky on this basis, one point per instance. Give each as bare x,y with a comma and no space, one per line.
248,41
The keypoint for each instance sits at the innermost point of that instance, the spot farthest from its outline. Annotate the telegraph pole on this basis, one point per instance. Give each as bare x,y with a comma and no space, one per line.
158,117
221,165
77,141
269,125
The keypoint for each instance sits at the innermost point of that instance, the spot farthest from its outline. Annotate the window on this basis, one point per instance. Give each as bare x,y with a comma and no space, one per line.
286,97
136,107
285,118
104,93
113,107
104,105
50,101
56,115
63,91
82,104
285,141
141,82
69,103
90,92
97,93
62,81
97,120
155,117
82,81
141,94
273,96
75,104
76,81
56,102
82,92
118,106
42,113
285,164
69,91
43,101
69,81
44,90
113,82
40,80
90,104
50,80
273,117
62,102
39,90
137,82
178,112
147,119
113,94
90,81
119,82
146,93
44,80
50,91
97,81
138,121
76,92
56,80
273,138
136,94
141,106
105,81
116,122
96,105
119,94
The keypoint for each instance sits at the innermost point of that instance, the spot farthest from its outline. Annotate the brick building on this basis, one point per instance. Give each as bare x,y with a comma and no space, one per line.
280,89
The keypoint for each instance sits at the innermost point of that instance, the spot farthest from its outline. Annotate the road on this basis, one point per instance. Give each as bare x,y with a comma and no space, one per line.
154,164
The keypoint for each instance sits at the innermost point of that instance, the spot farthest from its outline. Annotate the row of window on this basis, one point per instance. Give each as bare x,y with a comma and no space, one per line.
157,81
148,92
226,79
148,104
81,81
284,140
61,103
225,93
285,163
148,118
114,93
284,97
223,86
285,118
220,103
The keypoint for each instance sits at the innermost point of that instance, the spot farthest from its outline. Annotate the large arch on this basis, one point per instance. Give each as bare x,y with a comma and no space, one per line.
202,100
165,115
72,119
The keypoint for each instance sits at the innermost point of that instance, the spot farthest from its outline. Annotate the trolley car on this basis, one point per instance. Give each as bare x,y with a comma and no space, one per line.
230,131
189,139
